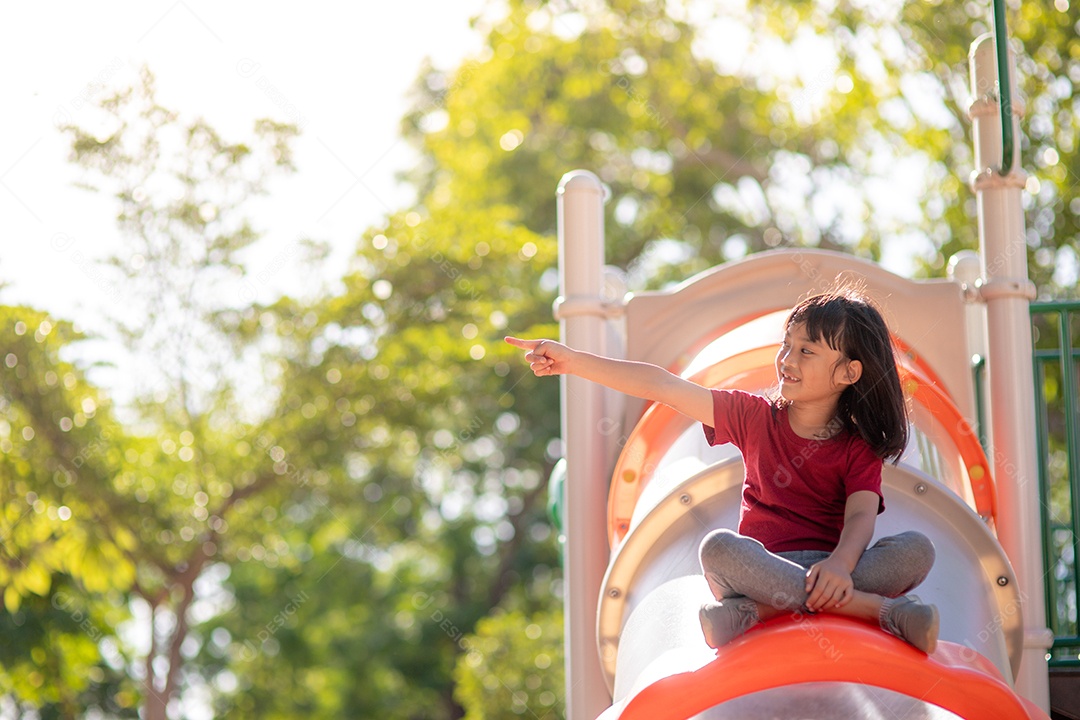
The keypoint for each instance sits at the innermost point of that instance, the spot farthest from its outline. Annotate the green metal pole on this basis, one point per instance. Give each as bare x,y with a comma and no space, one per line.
978,367
1001,46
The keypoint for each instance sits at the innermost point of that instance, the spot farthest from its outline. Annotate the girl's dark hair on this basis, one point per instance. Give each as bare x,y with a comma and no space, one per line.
874,406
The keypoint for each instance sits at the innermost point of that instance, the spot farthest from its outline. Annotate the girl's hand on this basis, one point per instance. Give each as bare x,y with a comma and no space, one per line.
546,357
829,584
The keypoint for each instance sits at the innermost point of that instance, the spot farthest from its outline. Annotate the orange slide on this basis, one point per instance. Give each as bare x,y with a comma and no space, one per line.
788,652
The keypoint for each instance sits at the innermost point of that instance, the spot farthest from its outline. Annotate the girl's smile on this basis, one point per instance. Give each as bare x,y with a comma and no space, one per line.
806,366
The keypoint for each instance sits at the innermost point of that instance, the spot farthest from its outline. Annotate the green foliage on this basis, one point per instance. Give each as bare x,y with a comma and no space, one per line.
632,103
512,667
52,662
432,496
344,643
711,153
65,558
55,448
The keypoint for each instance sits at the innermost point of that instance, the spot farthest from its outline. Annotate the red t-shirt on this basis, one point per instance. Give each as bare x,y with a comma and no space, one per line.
795,490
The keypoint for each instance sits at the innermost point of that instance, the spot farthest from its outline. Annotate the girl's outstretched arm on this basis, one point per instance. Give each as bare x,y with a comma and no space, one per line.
643,380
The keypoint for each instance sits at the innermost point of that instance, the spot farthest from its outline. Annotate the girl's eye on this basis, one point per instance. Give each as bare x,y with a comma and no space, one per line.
807,352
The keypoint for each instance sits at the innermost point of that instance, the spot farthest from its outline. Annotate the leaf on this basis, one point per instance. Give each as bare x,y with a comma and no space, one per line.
12,599
37,579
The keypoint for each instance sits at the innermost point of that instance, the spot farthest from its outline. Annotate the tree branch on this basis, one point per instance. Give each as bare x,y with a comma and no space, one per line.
727,166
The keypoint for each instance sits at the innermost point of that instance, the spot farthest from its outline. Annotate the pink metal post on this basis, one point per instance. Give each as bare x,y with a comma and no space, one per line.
1006,289
581,325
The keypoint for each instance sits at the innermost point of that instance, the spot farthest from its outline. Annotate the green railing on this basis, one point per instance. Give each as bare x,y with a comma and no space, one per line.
978,377
1056,335
1001,50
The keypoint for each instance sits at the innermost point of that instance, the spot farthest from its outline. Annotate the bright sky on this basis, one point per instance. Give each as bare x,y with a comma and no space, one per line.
339,70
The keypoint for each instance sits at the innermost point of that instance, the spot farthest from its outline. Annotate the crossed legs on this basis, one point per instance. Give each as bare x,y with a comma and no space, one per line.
752,584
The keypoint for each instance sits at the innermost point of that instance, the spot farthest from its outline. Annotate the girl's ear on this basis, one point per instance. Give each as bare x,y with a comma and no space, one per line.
853,372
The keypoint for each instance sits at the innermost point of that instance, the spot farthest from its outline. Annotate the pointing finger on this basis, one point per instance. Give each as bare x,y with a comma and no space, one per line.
523,344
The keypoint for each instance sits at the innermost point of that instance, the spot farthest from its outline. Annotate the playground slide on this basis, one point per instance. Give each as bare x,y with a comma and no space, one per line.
829,667
670,488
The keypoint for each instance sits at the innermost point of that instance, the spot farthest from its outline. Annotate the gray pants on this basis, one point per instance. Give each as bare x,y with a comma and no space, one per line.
736,566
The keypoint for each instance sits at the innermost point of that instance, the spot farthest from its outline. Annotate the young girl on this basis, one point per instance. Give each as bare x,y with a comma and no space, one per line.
813,454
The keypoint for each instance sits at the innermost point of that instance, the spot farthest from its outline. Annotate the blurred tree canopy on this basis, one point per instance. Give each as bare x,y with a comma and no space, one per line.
512,666
333,507
729,128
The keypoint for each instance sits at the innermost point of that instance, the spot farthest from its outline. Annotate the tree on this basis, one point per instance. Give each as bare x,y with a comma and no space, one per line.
727,131
154,506
434,503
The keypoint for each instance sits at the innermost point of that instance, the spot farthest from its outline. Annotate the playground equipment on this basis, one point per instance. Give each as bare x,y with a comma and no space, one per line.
633,585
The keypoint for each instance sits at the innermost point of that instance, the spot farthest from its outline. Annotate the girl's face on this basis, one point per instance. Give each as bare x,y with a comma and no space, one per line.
809,371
